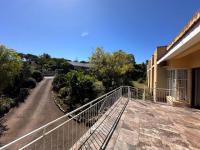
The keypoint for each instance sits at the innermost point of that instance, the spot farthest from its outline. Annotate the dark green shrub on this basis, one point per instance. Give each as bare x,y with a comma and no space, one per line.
30,83
77,88
5,105
37,75
63,92
23,93
83,87
58,82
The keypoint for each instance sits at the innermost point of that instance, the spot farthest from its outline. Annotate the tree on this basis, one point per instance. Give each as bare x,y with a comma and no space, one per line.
10,64
45,56
112,68
30,57
81,86
77,88
37,75
139,72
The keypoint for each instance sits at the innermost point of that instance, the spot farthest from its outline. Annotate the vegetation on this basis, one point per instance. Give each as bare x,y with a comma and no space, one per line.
30,83
37,75
116,69
21,72
107,71
10,65
77,88
138,84
45,63
17,76
139,73
6,104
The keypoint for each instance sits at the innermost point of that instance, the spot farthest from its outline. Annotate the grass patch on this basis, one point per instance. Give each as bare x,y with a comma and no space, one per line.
138,84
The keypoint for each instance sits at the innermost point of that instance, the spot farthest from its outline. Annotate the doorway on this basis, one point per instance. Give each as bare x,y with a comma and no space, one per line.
196,88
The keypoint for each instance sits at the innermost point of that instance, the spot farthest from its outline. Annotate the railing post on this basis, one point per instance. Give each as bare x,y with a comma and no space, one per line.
137,93
43,141
121,88
144,94
129,93
154,95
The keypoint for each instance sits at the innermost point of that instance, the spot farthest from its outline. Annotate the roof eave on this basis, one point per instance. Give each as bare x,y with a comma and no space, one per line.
190,39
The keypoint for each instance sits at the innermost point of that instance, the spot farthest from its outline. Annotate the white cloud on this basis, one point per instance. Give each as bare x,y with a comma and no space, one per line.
84,34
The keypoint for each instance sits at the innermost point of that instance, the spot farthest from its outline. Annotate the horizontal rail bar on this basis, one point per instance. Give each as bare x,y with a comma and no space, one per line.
56,120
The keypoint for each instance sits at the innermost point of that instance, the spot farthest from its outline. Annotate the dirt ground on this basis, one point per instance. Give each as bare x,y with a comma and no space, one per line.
37,110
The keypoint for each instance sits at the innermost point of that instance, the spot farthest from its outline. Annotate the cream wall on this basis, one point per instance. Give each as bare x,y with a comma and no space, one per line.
188,60
191,60
156,75
162,77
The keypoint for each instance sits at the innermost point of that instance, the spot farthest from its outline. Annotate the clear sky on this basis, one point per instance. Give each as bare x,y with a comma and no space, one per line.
74,28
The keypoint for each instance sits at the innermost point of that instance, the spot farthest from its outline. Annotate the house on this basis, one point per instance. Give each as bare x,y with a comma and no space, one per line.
79,65
175,69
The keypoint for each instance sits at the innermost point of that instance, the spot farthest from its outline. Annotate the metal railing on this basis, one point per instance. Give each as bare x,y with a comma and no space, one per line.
64,132
164,95
158,94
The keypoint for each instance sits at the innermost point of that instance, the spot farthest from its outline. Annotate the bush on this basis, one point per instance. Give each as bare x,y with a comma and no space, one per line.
58,82
37,75
30,83
63,92
82,87
77,88
5,105
99,88
23,93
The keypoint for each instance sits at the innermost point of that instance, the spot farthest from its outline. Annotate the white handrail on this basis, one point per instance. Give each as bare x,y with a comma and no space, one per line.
48,124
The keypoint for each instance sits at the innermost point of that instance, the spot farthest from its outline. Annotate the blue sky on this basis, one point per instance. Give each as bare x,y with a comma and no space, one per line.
74,28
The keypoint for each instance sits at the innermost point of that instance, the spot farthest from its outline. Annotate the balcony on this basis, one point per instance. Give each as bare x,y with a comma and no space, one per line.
120,119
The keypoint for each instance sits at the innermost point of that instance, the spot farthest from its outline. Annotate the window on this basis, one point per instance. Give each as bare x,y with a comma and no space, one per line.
177,83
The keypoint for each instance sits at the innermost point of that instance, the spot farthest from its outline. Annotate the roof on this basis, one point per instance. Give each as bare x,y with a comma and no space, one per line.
185,30
78,64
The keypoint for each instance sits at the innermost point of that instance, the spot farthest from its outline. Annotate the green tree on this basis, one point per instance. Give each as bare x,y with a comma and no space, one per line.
77,88
111,68
10,64
139,73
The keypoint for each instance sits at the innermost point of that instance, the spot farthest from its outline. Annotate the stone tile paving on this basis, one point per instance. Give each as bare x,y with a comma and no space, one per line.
146,125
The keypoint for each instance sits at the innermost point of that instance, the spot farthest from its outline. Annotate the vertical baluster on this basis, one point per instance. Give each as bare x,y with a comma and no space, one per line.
63,138
57,144
51,144
72,133
76,134
35,146
43,139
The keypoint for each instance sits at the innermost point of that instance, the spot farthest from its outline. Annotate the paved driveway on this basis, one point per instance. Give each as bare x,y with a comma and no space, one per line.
37,110
145,125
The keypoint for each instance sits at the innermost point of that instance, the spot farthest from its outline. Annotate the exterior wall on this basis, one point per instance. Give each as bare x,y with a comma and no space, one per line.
156,74
155,69
188,62
182,53
150,73
162,77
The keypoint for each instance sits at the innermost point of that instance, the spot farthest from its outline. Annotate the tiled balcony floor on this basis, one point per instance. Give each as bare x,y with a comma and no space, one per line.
145,125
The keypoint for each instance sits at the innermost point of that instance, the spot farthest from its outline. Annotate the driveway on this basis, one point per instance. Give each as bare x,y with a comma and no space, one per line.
37,110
